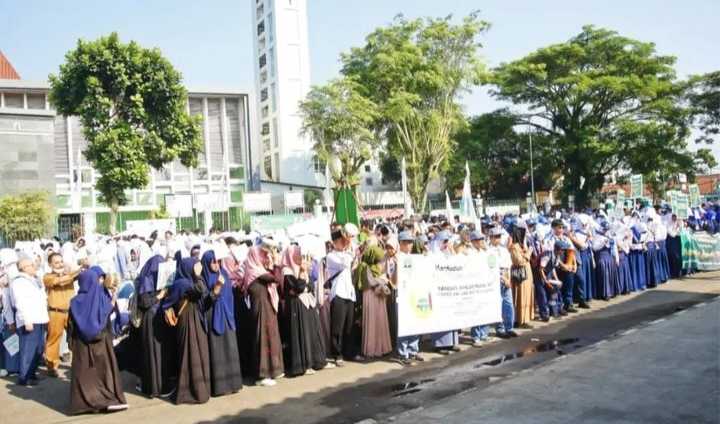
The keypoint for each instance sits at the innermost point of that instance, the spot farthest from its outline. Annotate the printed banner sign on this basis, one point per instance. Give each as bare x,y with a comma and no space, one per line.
682,204
438,293
636,186
700,251
694,191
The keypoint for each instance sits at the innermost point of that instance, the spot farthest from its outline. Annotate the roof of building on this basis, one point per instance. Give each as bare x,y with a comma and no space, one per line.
6,69
707,184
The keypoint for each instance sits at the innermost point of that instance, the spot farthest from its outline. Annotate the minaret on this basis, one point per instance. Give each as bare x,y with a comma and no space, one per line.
282,79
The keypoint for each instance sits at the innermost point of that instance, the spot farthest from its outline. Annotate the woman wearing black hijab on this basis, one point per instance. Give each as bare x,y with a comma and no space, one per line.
157,340
95,383
225,373
183,308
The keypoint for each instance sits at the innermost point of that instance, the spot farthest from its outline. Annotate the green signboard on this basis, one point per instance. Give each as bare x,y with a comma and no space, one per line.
269,223
636,186
694,191
682,204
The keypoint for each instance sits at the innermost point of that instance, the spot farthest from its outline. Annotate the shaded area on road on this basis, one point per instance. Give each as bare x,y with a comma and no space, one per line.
378,398
665,372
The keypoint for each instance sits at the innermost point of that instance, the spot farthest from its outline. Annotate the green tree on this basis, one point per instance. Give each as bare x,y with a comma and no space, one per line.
132,107
704,97
499,158
310,196
25,216
340,121
607,101
416,71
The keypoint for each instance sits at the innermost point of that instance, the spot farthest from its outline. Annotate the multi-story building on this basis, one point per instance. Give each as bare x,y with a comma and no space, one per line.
44,151
282,79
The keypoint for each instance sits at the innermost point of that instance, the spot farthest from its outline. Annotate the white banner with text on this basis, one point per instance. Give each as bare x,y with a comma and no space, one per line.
441,293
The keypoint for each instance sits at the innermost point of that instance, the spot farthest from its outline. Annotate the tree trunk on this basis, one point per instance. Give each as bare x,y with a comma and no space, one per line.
114,207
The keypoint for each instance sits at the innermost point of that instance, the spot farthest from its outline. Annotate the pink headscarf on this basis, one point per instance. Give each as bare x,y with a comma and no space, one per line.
254,266
289,266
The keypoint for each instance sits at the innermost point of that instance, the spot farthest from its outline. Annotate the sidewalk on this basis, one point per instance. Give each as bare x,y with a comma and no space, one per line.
665,372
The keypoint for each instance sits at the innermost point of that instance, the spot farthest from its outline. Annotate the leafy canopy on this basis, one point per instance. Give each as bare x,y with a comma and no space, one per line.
611,103
340,121
415,72
25,216
499,157
704,97
132,107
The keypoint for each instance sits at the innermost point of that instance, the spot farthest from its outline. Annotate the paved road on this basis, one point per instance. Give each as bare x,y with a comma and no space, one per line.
383,390
665,372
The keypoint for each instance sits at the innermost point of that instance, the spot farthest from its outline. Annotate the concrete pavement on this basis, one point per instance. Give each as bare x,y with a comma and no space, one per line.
667,371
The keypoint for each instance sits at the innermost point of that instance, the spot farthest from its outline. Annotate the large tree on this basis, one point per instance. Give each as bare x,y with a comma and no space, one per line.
611,103
416,71
132,107
704,97
499,157
340,121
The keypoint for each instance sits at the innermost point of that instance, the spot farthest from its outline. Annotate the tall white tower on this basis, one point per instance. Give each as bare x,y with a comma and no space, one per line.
282,79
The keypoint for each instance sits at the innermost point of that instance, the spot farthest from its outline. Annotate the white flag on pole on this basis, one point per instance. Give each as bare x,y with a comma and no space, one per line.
467,206
448,208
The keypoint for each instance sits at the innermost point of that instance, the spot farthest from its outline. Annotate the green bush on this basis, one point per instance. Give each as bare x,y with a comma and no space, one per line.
25,216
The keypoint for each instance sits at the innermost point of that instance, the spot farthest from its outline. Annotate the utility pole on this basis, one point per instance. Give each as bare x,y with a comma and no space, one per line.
532,171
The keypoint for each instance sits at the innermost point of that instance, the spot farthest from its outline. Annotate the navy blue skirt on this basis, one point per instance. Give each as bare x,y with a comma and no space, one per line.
625,274
651,266
638,270
674,253
606,275
588,276
663,260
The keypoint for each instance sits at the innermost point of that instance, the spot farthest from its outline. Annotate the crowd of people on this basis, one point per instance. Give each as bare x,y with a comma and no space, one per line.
254,308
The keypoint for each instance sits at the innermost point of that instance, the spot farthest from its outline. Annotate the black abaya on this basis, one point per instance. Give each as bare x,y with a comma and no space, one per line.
157,368
225,373
193,385
304,348
95,382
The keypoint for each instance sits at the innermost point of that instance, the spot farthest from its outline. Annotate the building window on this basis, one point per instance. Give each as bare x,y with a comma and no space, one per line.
263,77
14,100
260,11
263,61
276,137
261,28
318,165
368,182
266,145
265,111
276,167
272,61
36,101
263,94
367,168
273,103
261,45
265,129
269,20
267,167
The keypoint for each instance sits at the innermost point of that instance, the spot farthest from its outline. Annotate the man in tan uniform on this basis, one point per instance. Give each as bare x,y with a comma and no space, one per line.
60,289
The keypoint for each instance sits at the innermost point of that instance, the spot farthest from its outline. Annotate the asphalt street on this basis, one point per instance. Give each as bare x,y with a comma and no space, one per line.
638,366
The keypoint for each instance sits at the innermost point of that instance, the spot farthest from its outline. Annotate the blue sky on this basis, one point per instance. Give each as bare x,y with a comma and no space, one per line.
210,41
